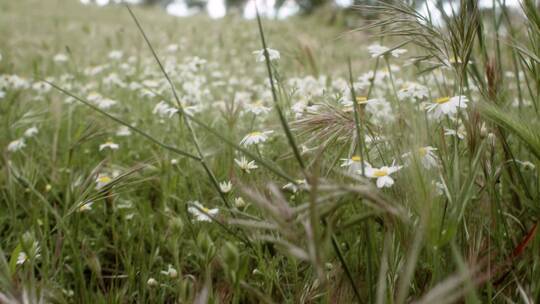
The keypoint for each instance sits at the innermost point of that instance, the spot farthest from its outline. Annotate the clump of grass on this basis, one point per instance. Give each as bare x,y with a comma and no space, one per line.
415,181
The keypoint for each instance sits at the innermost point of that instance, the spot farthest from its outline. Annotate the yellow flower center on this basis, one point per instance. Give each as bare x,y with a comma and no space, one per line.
361,99
206,210
104,179
255,134
380,173
442,100
356,158
423,151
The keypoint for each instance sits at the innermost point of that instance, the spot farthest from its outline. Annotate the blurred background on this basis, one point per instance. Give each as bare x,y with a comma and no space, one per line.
280,9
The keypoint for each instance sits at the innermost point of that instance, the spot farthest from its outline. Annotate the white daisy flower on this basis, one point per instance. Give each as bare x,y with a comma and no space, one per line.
398,52
347,103
105,103
377,50
16,145
258,108
170,272
413,90
85,206
60,58
152,282
294,187
382,175
41,87
33,250
380,110
102,180
123,131
171,48
30,132
109,145
201,213
460,133
245,165
354,163
116,55
426,155
526,164
22,258
239,202
225,187
163,109
447,106
256,137
272,55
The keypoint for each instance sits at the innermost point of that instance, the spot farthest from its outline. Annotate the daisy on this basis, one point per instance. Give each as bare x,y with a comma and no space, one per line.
123,131
360,100
447,106
354,163
255,138
172,48
30,132
295,187
398,52
33,250
201,213
272,55
429,158
110,145
41,87
460,133
257,108
94,97
426,155
245,165
115,55
239,202
163,109
16,145
526,164
86,206
380,110
413,90
377,50
170,272
225,187
382,175
60,58
105,103
152,282
22,258
102,180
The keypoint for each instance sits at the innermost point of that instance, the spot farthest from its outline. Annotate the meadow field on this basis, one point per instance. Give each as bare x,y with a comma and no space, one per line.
147,158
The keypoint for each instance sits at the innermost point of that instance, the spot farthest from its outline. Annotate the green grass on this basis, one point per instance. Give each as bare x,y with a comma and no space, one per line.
81,224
